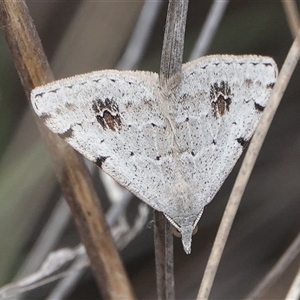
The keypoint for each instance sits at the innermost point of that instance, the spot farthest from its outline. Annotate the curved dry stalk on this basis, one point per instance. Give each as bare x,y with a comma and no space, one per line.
55,265
294,291
33,69
140,36
246,169
275,273
48,237
209,29
292,14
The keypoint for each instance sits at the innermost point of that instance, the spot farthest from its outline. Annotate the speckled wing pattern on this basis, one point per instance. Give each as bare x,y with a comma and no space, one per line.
173,148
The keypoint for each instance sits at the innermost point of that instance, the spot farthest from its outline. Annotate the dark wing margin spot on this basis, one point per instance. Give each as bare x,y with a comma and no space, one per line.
39,94
44,116
67,134
268,64
214,142
242,142
270,85
259,107
100,160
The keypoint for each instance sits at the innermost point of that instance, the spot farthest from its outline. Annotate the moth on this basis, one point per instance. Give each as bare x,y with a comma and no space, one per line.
171,146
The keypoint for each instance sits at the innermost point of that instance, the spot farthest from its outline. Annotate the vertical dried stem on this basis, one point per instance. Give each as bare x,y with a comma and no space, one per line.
172,52
163,257
33,69
171,62
246,169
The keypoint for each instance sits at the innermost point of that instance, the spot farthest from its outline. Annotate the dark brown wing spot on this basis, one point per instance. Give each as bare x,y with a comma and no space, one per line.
107,114
221,97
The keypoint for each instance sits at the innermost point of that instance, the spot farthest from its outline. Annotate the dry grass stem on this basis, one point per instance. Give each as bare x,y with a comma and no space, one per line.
173,45
140,36
246,169
276,272
209,28
170,66
294,291
163,242
292,14
34,70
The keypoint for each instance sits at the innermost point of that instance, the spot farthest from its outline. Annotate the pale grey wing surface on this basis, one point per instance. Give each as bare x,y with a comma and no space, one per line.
113,119
220,102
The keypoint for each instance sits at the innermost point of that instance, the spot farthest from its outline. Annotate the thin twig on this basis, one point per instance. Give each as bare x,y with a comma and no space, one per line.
33,69
45,274
209,29
54,264
172,52
129,60
276,272
131,57
140,36
294,291
246,169
48,237
170,68
66,285
163,257
292,14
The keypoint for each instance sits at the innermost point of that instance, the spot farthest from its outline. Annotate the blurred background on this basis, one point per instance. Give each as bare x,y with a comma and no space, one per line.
83,36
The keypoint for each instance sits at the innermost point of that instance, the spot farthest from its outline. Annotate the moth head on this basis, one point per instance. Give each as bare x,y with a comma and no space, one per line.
183,229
